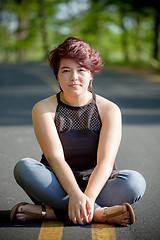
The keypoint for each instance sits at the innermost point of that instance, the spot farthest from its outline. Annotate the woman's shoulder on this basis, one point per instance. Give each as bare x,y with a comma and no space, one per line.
107,107
46,105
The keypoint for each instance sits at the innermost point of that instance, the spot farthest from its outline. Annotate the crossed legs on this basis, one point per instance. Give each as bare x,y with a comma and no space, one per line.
42,186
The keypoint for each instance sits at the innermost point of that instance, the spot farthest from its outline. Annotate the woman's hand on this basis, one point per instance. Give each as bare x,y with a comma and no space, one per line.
80,208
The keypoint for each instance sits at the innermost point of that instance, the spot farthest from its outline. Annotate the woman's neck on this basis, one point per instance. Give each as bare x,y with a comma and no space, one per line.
77,101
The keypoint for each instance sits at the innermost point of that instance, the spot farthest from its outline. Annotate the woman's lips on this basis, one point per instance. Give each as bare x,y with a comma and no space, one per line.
74,85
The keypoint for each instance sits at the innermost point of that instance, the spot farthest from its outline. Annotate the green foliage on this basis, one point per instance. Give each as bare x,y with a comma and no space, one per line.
125,31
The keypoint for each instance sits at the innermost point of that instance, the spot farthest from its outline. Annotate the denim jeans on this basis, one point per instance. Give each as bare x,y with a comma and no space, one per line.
42,186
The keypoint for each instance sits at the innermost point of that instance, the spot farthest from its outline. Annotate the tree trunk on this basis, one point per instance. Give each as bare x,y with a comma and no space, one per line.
43,28
22,34
156,36
124,38
138,36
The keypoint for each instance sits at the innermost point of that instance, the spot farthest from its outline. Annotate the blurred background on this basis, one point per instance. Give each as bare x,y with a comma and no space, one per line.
126,32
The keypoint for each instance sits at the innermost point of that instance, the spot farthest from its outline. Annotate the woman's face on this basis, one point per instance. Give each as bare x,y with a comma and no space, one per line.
72,77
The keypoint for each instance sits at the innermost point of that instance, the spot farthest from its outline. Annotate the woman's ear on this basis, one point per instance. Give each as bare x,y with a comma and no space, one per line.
90,84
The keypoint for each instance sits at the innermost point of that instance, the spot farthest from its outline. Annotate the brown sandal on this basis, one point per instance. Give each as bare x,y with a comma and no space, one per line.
15,208
109,219
130,210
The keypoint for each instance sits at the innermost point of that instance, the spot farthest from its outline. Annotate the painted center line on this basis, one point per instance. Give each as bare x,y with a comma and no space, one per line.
53,230
103,231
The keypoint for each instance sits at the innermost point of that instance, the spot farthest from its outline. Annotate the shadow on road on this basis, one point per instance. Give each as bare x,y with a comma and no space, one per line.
5,221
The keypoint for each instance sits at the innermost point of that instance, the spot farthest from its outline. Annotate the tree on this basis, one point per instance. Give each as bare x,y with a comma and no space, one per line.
152,9
43,27
117,28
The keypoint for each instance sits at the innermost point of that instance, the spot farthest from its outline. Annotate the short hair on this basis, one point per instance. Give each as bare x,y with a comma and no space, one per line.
79,50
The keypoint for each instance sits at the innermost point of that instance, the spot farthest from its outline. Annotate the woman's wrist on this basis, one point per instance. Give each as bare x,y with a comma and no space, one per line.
91,196
74,191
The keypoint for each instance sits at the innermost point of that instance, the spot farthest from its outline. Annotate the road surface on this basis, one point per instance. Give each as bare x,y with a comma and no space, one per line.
21,86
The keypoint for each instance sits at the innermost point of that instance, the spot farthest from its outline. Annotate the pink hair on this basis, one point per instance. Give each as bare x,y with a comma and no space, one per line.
79,50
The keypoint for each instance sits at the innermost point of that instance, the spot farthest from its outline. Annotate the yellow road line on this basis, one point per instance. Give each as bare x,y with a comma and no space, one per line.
51,230
103,231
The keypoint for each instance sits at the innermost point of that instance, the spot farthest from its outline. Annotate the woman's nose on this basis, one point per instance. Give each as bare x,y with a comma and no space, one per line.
74,76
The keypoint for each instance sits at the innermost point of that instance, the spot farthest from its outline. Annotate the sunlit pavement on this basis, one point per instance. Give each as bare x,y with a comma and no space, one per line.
21,86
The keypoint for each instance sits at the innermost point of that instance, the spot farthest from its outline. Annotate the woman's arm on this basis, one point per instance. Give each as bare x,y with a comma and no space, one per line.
109,141
43,114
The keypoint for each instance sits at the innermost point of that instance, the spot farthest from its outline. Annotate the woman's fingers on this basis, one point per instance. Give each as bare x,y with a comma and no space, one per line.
69,212
75,215
79,216
80,209
84,214
74,219
90,210
72,215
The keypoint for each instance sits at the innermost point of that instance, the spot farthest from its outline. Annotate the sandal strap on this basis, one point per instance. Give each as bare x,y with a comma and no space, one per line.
111,216
44,213
104,213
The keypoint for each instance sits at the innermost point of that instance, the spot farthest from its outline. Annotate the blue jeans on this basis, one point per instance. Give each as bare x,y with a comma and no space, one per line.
42,186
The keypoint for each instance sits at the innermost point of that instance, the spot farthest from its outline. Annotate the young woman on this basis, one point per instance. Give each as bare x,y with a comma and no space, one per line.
79,133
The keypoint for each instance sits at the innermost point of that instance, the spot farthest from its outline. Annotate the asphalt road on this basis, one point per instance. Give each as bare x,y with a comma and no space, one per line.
22,85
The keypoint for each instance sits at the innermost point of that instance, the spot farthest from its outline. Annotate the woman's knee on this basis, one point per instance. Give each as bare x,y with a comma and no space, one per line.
20,169
135,184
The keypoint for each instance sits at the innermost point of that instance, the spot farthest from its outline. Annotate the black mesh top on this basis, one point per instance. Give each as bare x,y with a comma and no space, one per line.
77,118
78,129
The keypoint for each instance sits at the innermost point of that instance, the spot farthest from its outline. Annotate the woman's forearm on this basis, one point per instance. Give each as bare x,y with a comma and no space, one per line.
79,205
97,180
65,175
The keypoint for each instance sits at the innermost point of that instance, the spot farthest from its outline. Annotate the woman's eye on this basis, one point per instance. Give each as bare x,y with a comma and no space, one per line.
81,69
64,71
